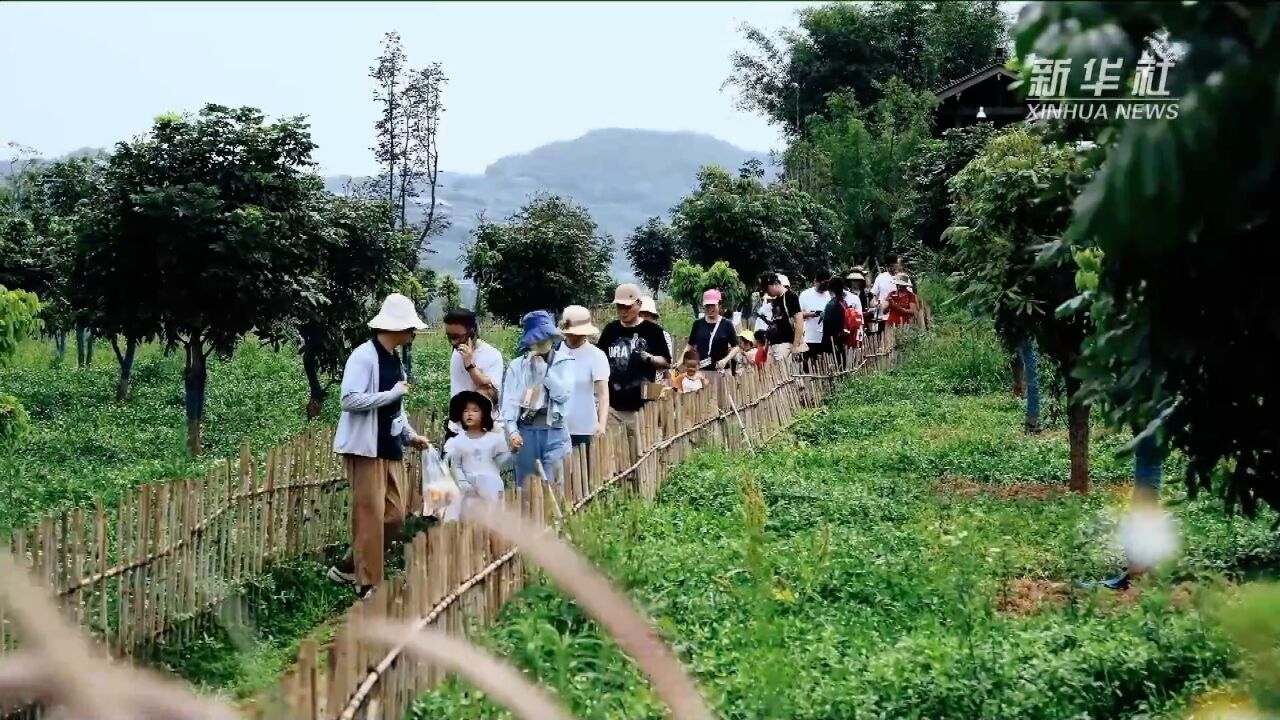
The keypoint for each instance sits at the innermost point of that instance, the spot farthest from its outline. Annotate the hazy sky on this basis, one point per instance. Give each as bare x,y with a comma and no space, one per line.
520,74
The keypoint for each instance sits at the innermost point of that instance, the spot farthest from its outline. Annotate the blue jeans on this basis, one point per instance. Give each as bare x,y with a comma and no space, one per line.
548,444
1148,464
1031,366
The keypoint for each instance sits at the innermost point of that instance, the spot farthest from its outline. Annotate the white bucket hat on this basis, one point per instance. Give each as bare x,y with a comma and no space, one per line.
397,314
576,320
648,305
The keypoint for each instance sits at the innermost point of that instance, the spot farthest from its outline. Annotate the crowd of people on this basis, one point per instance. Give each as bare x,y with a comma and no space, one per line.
562,391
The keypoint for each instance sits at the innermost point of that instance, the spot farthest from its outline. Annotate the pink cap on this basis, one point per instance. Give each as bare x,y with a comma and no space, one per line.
711,297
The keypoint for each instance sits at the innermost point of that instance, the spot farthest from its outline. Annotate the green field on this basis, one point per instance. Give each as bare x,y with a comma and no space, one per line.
901,557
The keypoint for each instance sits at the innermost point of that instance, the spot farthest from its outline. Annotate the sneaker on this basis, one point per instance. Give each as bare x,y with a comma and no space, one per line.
341,578
366,592
1117,583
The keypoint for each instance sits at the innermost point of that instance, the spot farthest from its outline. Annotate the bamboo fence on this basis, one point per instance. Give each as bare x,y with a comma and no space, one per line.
174,557
458,575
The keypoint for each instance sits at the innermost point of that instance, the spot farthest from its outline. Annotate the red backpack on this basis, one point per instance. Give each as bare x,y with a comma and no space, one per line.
852,324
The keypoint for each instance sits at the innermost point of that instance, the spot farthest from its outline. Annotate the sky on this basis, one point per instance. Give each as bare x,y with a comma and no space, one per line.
520,74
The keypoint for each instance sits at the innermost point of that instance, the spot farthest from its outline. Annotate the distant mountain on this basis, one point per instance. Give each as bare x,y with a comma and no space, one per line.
623,177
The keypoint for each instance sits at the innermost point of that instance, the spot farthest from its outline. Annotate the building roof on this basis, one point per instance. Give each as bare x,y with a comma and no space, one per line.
956,86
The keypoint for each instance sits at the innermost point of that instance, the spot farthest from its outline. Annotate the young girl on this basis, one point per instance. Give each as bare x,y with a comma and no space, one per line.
690,378
479,452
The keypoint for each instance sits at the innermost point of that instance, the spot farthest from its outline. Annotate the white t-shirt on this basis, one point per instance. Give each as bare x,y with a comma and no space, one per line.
489,360
589,365
762,315
481,460
813,301
853,301
880,289
690,384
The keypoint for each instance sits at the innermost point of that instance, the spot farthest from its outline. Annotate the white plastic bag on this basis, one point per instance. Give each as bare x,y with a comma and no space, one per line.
441,495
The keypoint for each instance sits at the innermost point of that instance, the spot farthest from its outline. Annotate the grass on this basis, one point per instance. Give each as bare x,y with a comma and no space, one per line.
829,577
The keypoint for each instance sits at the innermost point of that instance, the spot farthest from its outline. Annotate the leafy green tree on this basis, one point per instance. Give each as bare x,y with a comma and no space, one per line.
201,235
651,248
689,281
1184,220
925,212
449,292
357,260
547,255
37,237
19,318
755,227
1011,200
848,49
855,161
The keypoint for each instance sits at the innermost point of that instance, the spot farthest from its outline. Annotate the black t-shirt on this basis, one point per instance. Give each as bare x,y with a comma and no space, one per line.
781,328
716,348
627,372
390,372
833,321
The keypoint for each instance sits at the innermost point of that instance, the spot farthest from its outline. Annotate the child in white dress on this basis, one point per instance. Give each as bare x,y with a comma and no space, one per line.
478,454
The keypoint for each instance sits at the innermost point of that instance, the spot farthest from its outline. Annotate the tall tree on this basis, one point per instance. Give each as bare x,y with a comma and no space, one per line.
755,227
850,49
547,255
201,235
407,147
356,260
37,232
1012,200
1182,203
19,311
925,211
449,292
855,161
651,248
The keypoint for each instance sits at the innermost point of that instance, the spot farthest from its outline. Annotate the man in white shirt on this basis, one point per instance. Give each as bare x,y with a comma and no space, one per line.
884,285
813,301
474,364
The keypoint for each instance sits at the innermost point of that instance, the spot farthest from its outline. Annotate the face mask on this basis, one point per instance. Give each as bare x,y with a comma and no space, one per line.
542,348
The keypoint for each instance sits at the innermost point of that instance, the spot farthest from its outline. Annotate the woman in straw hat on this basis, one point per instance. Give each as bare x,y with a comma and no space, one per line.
535,398
372,433
588,413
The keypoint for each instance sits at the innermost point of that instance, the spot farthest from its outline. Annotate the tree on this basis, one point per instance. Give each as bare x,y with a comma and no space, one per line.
357,261
19,318
753,227
201,235
37,235
689,281
547,255
851,49
1010,201
449,292
651,248
407,148
1181,203
855,160
925,212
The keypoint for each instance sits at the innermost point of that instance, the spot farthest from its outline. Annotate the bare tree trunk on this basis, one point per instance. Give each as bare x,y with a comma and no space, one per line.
1077,437
125,359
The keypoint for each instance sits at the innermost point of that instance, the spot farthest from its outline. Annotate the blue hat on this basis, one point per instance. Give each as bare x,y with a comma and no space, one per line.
539,326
